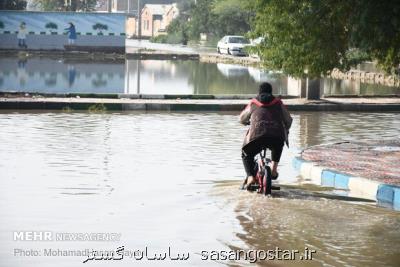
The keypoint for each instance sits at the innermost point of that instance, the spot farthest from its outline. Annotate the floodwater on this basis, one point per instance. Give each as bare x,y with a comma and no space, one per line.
77,75
163,180
74,74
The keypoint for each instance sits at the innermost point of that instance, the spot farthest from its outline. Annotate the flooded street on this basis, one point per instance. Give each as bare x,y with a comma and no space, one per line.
164,180
85,75
77,74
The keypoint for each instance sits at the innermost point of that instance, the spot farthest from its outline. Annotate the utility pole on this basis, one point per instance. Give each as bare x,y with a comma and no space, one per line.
109,5
139,18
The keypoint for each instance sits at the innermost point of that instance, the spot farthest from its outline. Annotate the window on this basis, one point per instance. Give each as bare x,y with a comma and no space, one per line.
238,40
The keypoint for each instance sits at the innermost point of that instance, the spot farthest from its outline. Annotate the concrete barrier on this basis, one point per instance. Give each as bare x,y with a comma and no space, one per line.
364,188
358,186
115,101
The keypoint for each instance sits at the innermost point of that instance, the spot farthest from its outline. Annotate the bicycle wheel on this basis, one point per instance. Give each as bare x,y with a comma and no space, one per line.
267,183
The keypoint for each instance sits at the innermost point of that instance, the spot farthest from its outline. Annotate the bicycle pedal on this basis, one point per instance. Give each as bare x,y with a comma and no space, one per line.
254,187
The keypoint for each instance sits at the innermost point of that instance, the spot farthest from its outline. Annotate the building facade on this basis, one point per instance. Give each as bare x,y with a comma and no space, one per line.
170,15
156,18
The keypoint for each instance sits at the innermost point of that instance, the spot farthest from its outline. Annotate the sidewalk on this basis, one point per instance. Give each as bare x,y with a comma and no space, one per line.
366,169
120,102
145,48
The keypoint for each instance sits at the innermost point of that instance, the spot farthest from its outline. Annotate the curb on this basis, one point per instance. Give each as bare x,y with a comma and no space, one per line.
384,194
118,106
11,94
115,104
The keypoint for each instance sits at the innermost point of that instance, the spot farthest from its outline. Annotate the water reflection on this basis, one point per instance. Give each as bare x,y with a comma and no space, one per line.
320,127
60,75
193,77
309,130
278,81
355,87
69,74
230,70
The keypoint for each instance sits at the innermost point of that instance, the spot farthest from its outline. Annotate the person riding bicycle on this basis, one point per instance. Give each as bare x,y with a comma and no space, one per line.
269,122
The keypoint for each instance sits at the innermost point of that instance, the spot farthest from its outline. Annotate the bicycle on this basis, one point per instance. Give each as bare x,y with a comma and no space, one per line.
263,184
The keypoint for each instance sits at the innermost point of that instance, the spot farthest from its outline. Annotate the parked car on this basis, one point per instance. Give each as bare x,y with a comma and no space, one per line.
233,45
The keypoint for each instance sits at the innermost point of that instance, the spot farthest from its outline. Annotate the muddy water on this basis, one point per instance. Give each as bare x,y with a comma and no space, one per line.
163,180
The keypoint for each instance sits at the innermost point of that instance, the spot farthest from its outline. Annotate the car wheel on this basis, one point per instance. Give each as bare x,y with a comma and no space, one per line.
228,51
219,51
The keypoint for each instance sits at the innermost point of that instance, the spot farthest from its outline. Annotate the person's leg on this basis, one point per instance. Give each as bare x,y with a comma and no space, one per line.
19,42
248,163
276,147
249,151
274,170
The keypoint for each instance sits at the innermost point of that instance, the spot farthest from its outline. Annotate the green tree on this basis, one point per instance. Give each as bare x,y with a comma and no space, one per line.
49,5
213,17
302,35
13,4
79,5
60,5
232,16
376,30
202,20
316,36
178,29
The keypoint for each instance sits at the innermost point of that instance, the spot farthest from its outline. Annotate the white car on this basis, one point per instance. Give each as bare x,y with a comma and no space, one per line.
233,45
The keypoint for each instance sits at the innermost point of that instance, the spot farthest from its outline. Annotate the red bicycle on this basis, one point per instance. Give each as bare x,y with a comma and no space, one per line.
263,183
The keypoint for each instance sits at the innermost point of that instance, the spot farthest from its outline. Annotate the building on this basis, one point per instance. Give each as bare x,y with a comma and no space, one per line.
131,27
170,15
117,6
156,18
131,6
101,6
